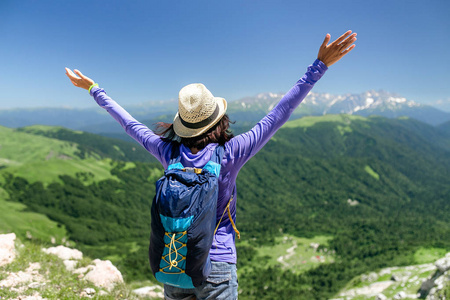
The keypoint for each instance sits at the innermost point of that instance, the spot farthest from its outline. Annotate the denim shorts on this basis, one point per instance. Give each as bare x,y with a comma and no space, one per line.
221,284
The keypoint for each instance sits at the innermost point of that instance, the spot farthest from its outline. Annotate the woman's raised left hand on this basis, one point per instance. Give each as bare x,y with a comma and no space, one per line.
80,81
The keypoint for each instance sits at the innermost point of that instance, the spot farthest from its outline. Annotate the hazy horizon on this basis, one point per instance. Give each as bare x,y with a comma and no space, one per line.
92,105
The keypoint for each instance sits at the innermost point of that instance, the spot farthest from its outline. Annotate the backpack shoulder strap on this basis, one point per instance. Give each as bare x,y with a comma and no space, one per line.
175,158
217,156
213,166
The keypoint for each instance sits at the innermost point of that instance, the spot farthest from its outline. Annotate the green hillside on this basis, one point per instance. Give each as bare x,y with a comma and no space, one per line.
92,144
371,191
39,158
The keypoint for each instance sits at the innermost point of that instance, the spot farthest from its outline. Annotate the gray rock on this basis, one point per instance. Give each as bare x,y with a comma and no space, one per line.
380,297
70,264
439,284
371,277
35,285
443,264
87,293
437,281
64,252
104,274
150,291
400,295
428,284
7,248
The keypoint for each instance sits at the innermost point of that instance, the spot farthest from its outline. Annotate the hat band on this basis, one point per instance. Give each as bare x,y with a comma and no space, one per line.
202,123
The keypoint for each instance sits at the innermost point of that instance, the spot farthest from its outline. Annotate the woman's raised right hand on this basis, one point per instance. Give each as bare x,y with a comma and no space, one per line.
331,53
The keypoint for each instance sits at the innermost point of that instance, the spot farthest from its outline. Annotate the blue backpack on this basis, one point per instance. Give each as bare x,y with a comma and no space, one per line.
183,221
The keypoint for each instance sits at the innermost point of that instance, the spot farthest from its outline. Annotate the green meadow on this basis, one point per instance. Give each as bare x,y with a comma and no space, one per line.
15,218
310,121
298,254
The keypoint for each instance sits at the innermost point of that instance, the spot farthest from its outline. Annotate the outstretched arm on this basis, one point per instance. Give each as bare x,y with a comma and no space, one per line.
138,131
244,146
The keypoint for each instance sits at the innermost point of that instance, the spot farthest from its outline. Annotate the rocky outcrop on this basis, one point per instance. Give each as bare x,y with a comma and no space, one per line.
102,274
436,282
69,256
23,280
405,283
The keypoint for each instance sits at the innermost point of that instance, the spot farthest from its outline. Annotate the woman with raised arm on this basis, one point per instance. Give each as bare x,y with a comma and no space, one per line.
199,126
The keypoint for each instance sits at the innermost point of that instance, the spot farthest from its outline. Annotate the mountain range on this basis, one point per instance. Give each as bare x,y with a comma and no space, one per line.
245,111
379,103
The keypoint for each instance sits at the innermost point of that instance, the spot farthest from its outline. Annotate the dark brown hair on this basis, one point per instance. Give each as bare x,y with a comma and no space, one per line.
219,133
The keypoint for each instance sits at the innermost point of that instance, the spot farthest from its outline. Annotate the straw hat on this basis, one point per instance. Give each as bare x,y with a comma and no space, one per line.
198,111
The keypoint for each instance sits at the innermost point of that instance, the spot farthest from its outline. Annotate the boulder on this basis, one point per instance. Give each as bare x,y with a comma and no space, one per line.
7,248
150,291
443,264
64,252
380,297
104,274
70,264
87,293
400,295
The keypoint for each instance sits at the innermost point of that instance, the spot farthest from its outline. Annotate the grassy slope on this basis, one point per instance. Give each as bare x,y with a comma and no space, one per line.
38,158
93,144
293,253
14,218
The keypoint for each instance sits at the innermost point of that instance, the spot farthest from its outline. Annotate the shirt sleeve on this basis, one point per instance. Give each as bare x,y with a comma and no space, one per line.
138,131
246,145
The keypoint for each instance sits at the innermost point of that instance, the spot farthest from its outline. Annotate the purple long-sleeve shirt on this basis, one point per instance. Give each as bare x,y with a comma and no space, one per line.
237,151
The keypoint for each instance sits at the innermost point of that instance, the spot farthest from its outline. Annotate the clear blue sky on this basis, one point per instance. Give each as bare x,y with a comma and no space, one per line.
147,50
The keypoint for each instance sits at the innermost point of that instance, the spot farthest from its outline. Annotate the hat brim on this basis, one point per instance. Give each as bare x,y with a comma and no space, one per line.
185,132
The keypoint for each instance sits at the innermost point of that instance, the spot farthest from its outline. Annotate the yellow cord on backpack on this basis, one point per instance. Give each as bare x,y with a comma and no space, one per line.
173,262
227,208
